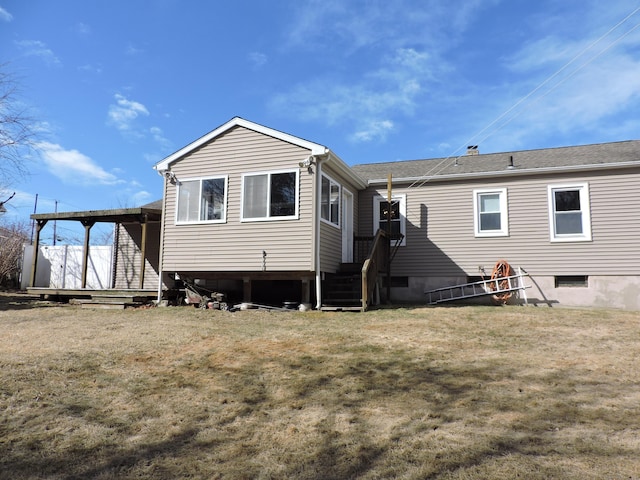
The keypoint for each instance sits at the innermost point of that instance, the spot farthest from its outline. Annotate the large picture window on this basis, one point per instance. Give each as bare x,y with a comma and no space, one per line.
569,213
398,209
270,196
330,201
202,200
490,213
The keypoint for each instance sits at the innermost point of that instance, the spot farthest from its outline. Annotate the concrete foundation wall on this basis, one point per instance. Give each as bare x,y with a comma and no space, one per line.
610,291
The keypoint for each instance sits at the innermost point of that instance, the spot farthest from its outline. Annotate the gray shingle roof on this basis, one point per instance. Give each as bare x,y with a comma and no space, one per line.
156,204
525,161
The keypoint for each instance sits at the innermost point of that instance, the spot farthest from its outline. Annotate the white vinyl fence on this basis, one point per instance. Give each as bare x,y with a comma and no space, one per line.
61,267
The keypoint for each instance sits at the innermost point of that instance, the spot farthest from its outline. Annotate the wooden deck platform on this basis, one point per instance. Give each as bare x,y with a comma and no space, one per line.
89,298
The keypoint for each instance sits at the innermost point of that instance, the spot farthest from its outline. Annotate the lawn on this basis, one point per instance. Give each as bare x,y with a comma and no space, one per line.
410,393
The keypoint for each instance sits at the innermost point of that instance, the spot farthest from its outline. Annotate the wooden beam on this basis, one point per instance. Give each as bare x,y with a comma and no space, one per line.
143,250
388,259
36,249
85,250
246,289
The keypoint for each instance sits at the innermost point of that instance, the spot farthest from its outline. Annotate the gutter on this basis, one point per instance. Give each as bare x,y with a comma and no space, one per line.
510,172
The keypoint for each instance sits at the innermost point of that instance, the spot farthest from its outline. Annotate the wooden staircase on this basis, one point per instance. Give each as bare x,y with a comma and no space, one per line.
342,291
354,287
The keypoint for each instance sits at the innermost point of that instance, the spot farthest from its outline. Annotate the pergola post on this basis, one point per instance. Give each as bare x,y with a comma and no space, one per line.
85,250
36,249
143,250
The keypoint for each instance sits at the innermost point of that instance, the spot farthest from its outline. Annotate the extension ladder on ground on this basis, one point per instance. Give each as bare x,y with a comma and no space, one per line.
492,286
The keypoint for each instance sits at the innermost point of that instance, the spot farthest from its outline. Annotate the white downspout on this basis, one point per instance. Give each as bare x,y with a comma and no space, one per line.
161,246
316,226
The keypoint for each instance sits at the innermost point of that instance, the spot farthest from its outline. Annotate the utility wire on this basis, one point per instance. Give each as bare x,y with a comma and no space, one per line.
440,165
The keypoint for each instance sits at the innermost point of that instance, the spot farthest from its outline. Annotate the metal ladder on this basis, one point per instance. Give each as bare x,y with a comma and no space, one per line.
482,288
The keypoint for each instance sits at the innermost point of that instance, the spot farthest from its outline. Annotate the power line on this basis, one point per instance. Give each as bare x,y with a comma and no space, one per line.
440,165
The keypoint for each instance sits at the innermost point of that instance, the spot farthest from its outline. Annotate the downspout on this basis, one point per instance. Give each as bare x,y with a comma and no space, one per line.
316,226
161,246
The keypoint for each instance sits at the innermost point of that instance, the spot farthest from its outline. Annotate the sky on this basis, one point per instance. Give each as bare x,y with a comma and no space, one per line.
115,86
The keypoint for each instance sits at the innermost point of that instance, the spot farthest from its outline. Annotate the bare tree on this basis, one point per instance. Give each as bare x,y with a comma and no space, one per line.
13,236
17,134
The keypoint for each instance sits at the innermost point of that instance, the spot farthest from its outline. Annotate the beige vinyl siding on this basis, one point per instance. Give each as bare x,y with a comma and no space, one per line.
440,231
127,267
237,245
330,235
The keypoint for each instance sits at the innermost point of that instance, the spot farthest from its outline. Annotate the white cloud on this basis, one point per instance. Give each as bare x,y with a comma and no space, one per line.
380,24
132,50
36,48
571,89
123,114
5,16
393,89
74,167
140,198
432,66
258,59
91,68
83,29
398,49
375,130
158,137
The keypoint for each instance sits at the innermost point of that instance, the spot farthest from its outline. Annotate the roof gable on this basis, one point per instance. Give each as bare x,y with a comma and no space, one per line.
315,149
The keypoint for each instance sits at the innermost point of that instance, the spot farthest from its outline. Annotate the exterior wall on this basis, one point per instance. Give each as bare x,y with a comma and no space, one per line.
442,248
237,246
127,266
330,235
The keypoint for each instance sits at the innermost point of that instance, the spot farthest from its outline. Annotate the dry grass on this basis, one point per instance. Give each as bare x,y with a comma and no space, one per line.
451,393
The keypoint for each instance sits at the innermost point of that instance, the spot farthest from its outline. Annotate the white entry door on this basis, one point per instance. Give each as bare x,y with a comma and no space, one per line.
347,226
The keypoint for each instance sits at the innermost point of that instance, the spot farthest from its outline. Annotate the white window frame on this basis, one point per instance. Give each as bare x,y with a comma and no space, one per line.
585,210
402,198
504,212
332,183
223,219
268,217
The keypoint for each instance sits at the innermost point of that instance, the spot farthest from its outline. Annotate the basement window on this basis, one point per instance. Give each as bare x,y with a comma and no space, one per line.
396,282
571,281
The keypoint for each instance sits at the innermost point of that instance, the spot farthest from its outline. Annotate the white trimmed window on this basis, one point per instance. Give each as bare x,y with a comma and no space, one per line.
202,200
569,213
270,195
398,215
490,212
330,201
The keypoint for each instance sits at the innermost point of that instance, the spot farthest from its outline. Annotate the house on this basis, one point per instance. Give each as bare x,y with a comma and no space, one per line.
270,216
568,216
267,217
258,214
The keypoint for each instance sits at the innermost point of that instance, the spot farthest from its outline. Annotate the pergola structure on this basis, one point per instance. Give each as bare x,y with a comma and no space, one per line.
142,215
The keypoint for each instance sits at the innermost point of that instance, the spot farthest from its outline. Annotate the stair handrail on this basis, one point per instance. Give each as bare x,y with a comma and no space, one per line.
375,262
